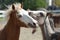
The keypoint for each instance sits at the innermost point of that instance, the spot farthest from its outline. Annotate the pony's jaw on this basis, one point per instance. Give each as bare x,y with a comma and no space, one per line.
41,20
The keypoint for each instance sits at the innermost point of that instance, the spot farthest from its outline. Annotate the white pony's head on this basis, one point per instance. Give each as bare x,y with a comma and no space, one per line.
38,15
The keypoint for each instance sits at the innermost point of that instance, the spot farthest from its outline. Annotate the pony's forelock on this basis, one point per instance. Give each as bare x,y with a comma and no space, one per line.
10,7
17,5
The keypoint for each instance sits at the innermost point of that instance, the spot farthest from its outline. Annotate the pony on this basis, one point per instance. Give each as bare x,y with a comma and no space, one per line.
11,27
44,23
56,24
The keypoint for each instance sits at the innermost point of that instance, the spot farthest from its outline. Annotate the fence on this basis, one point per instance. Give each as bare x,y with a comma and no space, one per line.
2,13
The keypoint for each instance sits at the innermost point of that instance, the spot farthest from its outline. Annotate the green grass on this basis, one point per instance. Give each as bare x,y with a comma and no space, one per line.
1,18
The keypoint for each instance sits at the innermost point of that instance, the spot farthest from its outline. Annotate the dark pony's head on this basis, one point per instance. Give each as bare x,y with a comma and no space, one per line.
13,16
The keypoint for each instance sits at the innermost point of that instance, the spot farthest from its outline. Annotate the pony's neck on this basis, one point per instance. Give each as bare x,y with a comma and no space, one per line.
13,18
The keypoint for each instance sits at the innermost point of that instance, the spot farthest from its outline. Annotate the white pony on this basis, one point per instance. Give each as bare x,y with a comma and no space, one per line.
40,17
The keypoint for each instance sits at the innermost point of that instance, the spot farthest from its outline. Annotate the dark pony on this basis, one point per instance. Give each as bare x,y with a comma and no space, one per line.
11,30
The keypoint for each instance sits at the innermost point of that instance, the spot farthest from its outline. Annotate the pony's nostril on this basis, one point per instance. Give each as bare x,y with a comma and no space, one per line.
34,24
20,16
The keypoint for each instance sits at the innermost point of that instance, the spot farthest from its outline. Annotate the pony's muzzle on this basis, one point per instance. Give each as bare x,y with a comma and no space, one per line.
32,25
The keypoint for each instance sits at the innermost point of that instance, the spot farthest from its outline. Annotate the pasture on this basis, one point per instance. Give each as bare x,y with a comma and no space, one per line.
27,35
1,18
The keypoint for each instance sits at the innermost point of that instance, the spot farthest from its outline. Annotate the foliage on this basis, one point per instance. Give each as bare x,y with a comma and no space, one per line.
31,4
34,4
57,2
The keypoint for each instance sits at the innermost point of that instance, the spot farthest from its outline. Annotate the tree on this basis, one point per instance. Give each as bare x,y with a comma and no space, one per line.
34,4
6,2
57,2
31,4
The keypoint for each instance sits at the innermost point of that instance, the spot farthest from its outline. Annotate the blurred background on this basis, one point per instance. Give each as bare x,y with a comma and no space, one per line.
31,4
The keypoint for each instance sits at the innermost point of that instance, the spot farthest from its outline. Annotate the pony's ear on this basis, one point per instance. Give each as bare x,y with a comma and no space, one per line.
13,7
22,5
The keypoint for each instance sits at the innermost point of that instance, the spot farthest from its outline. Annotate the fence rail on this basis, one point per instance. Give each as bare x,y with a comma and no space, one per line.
2,13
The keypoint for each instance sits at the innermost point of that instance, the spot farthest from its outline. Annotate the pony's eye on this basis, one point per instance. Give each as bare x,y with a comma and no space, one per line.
41,14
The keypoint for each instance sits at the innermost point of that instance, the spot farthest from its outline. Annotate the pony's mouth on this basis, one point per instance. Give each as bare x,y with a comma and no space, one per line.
32,26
